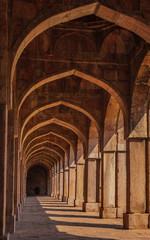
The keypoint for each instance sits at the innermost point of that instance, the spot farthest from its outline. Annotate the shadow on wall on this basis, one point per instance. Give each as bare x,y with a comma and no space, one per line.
36,223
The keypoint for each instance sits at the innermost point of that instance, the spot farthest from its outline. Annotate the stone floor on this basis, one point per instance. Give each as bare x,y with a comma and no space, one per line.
44,218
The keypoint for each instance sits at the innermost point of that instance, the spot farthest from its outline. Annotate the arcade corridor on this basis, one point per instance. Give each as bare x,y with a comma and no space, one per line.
44,218
74,119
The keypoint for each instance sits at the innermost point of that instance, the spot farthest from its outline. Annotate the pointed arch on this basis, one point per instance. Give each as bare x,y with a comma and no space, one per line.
67,104
122,20
41,143
58,122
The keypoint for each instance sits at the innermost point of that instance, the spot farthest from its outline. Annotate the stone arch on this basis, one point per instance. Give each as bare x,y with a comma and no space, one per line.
112,90
42,142
44,148
93,142
40,157
56,121
139,100
54,157
110,122
71,105
99,10
71,157
43,163
39,160
80,152
47,134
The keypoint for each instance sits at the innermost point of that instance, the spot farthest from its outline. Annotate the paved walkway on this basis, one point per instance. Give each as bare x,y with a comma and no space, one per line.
44,218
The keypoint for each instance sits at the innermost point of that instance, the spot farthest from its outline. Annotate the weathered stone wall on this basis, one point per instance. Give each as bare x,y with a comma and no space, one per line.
37,178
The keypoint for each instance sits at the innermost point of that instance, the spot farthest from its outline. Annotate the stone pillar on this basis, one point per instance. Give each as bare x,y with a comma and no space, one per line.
79,185
25,183
53,185
22,184
148,179
58,185
135,217
61,185
72,184
18,192
49,183
24,179
120,183
61,180
91,188
58,180
55,180
10,217
17,181
3,170
3,113
66,177
108,208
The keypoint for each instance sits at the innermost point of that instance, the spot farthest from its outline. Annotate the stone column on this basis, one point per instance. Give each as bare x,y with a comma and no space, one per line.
3,113
58,180
17,181
22,184
136,216
66,177
3,169
91,187
61,185
48,183
120,183
53,187
148,179
10,217
58,185
108,208
55,180
61,181
79,185
72,184
18,192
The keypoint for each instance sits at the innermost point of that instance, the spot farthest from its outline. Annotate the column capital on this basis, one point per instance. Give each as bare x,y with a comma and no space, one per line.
72,166
82,164
66,169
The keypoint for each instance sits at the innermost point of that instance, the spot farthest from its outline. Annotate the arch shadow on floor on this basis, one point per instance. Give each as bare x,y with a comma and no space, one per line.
43,220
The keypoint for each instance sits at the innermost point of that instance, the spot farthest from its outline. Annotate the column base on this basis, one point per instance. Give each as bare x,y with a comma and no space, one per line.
5,237
57,196
107,212
71,202
120,211
149,221
79,203
135,221
64,199
10,224
18,213
90,207
60,198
